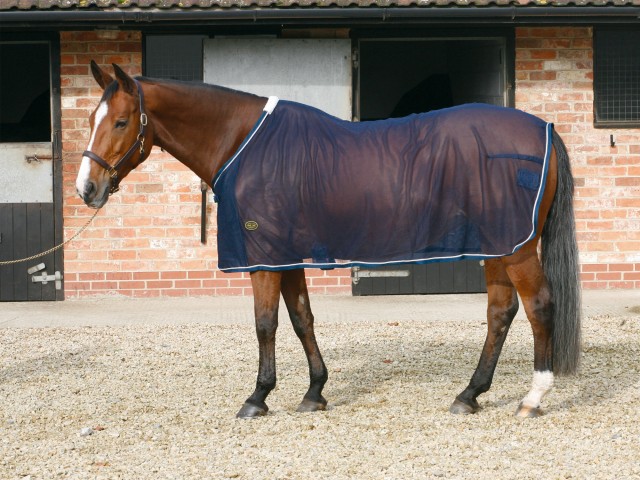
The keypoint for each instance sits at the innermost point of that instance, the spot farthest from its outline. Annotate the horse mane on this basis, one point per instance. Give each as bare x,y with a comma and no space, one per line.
113,87
191,85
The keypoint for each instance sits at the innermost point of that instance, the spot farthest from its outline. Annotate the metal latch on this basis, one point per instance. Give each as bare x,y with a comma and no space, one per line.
358,273
44,278
37,158
36,268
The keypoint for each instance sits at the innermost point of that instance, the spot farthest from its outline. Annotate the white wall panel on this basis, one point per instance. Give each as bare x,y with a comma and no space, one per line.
316,72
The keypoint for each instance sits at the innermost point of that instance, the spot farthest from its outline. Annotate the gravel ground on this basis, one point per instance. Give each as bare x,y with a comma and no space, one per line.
159,401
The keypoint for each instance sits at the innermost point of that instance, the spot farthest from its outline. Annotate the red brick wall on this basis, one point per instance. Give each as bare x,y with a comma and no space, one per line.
554,80
146,241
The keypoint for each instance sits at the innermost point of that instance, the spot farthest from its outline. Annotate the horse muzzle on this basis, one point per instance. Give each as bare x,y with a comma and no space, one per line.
93,195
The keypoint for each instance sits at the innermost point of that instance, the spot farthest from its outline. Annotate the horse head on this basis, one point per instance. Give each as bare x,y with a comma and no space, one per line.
120,137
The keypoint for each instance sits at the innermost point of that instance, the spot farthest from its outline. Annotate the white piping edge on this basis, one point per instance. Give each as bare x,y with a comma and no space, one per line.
538,200
358,263
268,109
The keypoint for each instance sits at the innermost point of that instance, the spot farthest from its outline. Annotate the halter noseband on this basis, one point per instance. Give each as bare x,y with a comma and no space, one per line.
138,144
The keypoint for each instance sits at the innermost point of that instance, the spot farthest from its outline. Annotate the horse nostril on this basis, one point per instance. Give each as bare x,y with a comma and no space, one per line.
90,189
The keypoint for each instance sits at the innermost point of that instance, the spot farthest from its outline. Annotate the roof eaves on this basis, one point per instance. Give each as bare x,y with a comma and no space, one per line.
115,5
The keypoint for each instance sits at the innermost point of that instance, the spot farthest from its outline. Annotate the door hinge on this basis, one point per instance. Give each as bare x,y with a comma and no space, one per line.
355,58
358,273
56,145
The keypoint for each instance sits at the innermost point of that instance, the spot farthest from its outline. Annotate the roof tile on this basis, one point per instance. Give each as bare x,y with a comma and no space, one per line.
186,4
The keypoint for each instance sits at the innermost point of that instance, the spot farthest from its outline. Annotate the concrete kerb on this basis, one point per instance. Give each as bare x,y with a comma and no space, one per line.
117,310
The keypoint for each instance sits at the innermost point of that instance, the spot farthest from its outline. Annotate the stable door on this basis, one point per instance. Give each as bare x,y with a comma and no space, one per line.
30,218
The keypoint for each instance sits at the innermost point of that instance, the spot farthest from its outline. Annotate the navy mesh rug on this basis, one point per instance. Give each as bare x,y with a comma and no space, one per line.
306,189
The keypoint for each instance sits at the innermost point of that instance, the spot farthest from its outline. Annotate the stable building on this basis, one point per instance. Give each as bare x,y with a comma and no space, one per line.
574,64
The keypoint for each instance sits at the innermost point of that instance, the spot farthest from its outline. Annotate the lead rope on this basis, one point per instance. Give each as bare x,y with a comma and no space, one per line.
51,250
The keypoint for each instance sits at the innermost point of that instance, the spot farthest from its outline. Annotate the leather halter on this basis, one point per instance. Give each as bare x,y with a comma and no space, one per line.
114,170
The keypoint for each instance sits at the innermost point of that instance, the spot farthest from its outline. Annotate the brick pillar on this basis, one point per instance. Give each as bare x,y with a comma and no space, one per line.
554,80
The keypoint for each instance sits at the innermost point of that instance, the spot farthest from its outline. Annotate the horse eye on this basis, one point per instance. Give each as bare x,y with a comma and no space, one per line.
121,124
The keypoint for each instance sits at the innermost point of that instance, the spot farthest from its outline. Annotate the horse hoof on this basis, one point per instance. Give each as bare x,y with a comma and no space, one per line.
460,408
249,410
311,406
528,412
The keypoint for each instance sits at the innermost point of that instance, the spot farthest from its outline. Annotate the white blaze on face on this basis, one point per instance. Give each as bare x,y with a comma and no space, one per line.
85,166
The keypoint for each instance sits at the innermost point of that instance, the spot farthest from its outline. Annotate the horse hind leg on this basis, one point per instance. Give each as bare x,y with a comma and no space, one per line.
266,296
296,298
502,308
526,273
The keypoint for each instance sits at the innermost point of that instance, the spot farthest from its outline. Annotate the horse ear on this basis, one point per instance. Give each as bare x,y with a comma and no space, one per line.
126,82
102,77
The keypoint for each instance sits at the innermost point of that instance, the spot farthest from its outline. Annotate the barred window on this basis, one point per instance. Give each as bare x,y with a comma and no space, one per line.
173,57
617,77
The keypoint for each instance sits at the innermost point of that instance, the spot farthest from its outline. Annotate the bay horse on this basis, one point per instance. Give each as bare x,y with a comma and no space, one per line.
206,127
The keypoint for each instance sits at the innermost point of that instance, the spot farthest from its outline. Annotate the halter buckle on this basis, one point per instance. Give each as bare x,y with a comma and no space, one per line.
143,119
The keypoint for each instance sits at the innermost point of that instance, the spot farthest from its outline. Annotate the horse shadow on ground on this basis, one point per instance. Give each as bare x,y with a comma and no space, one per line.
376,366
380,364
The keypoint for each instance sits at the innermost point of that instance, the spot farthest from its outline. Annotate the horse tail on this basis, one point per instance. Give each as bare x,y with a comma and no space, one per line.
561,268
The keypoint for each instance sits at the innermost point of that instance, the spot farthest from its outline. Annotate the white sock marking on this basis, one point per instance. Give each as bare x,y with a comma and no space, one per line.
542,383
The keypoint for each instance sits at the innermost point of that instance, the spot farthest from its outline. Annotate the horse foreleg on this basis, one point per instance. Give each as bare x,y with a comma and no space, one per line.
266,295
502,308
296,297
526,274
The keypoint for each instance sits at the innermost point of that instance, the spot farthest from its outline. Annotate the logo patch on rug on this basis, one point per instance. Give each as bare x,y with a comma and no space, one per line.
251,225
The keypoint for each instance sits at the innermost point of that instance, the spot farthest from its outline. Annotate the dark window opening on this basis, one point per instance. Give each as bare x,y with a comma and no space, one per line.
617,78
400,77
174,57
25,92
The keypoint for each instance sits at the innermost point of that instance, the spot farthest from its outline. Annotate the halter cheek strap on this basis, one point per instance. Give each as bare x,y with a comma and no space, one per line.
114,170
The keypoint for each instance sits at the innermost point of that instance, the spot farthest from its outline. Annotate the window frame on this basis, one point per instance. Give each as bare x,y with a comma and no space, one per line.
598,121
146,63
